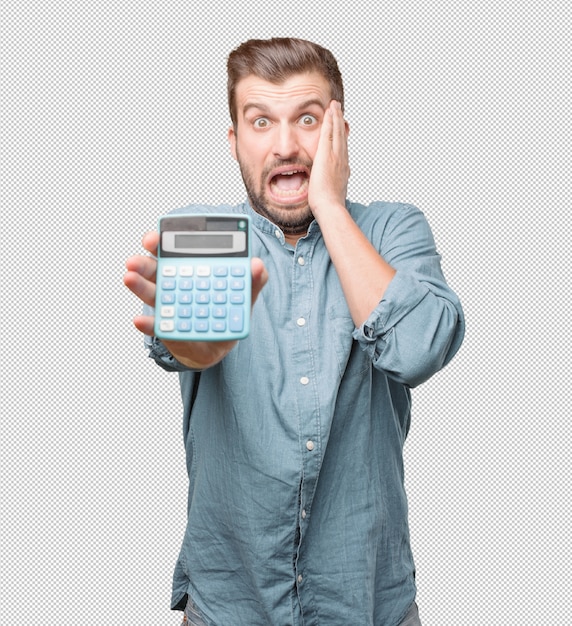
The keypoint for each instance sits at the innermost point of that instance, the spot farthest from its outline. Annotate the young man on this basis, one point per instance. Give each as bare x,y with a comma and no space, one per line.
297,512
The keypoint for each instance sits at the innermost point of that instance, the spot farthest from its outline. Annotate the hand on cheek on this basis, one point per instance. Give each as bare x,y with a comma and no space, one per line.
330,171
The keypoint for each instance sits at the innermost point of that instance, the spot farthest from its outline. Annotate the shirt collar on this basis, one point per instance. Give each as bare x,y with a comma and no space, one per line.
266,226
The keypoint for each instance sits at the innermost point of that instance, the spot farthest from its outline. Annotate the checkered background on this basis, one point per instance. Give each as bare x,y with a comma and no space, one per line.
114,113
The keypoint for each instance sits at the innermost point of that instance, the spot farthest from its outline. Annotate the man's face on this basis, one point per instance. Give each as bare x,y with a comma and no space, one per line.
275,140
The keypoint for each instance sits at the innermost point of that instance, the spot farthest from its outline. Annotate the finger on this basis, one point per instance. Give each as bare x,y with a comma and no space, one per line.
145,323
339,128
259,277
151,242
326,131
144,289
144,265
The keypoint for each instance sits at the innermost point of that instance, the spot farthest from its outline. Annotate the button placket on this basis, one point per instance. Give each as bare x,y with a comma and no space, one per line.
308,403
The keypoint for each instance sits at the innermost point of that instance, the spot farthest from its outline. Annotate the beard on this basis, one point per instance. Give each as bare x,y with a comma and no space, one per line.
292,219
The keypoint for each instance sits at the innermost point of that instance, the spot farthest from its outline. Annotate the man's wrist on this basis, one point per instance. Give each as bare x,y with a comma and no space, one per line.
328,210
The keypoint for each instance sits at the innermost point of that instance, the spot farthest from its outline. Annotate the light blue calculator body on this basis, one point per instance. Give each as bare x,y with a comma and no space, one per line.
203,277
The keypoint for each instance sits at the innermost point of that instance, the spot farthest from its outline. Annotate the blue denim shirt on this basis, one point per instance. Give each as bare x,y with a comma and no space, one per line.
297,512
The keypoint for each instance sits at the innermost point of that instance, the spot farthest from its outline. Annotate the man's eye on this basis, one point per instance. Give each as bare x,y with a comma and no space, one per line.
308,120
261,122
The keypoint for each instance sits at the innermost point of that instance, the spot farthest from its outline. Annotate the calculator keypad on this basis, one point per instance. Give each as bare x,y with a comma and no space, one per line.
201,302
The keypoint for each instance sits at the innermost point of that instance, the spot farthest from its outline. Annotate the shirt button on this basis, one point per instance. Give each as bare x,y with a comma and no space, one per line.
300,578
301,260
304,380
277,233
300,321
303,513
310,445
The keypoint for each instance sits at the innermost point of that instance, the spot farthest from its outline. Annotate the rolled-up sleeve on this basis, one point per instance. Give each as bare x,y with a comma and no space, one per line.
162,356
418,326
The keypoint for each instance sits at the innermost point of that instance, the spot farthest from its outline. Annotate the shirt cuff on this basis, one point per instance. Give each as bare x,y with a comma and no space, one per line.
402,295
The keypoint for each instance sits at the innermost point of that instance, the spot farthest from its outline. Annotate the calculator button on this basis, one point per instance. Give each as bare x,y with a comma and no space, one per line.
168,284
185,298
201,298
167,326
236,321
184,326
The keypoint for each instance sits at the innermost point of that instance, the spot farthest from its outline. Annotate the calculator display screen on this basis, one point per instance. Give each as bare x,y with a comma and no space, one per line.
214,241
204,235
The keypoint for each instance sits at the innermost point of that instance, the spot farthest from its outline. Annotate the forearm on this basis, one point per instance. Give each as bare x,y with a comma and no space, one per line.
364,275
414,331
417,325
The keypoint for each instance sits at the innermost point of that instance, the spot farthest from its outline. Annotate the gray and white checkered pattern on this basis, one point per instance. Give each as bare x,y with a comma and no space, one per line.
115,112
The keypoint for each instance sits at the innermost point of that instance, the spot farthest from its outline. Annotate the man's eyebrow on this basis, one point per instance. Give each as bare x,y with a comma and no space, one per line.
253,105
312,102
303,105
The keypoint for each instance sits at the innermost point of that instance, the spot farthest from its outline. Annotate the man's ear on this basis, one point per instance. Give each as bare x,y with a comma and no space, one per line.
232,142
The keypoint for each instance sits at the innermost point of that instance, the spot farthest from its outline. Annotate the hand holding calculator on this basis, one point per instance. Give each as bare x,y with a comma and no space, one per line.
203,288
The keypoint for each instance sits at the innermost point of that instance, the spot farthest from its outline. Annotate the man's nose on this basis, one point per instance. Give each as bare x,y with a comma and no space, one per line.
286,142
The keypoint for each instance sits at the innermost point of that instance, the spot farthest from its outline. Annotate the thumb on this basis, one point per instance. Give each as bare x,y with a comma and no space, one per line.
259,277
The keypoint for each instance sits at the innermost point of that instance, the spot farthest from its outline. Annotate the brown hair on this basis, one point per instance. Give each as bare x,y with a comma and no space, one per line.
277,59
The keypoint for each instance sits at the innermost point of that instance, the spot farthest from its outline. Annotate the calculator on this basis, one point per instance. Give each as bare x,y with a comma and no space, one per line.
203,278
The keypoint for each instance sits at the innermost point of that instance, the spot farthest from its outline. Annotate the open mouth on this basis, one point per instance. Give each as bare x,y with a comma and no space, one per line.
289,184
